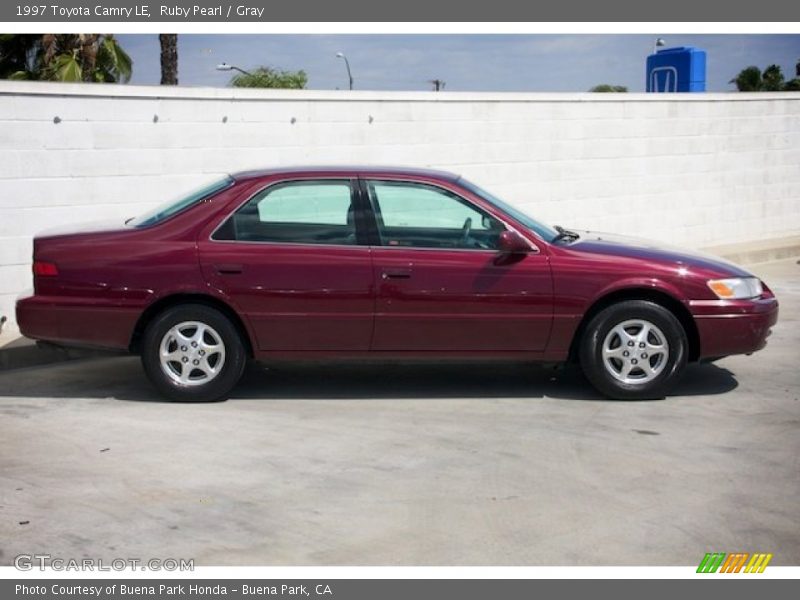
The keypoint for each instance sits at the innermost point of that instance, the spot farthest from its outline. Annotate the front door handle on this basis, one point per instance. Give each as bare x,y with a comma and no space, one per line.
396,274
228,269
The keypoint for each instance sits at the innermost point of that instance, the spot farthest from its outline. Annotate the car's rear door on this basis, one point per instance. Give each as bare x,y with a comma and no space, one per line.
441,284
294,261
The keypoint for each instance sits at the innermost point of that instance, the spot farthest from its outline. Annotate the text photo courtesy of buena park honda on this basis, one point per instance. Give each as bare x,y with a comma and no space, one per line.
415,300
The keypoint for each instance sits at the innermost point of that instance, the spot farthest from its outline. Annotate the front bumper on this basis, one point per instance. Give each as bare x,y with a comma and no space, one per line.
728,327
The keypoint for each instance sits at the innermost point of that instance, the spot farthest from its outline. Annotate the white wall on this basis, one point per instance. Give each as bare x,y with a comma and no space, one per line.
698,170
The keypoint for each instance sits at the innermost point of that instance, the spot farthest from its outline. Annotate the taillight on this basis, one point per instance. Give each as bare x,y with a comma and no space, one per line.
44,269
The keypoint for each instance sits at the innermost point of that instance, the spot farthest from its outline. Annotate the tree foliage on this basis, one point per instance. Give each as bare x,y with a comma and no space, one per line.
606,88
772,79
748,80
752,79
90,57
267,77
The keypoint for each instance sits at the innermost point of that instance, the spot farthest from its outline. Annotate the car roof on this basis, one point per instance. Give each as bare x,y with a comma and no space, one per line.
370,170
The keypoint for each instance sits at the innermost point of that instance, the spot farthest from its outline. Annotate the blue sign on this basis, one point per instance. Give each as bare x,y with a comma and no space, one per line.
680,69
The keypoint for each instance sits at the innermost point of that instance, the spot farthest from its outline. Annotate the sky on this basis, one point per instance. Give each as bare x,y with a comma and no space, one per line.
525,63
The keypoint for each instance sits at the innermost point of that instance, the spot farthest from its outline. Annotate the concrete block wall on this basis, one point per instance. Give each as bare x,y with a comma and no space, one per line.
696,170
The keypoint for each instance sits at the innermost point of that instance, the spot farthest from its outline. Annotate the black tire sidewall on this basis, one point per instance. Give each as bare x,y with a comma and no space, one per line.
235,356
591,350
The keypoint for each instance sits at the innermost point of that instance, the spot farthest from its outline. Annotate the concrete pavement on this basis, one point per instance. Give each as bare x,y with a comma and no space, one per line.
435,465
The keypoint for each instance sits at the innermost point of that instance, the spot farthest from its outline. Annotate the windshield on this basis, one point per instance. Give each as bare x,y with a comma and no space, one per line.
173,207
542,230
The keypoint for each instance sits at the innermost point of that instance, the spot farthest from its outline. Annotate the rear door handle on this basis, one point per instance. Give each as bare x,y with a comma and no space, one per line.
396,274
228,269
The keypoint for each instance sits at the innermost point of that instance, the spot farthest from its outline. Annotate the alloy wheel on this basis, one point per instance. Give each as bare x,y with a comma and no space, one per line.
192,353
635,351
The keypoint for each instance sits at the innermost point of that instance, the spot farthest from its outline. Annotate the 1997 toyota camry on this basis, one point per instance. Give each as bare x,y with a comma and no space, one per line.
324,263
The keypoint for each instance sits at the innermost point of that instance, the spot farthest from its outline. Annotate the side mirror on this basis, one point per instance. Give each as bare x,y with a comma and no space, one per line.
510,242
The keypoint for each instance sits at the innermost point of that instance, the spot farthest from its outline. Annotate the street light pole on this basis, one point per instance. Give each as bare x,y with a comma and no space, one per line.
227,67
657,44
347,64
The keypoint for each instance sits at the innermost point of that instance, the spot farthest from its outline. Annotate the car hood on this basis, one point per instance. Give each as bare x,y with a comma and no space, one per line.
612,244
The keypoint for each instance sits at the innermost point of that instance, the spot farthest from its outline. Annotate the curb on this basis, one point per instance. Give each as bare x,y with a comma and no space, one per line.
21,353
758,252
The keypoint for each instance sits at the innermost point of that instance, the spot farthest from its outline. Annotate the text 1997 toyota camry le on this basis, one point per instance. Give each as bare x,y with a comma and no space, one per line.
322,263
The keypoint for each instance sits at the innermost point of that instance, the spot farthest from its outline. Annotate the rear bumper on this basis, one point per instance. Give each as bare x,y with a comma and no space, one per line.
75,322
728,327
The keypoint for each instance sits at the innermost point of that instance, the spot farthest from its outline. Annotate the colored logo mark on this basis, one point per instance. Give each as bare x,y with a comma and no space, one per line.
743,562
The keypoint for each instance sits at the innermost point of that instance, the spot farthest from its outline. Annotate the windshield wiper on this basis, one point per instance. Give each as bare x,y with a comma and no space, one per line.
565,234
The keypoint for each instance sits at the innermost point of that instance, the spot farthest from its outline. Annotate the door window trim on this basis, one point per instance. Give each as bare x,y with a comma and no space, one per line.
374,232
362,237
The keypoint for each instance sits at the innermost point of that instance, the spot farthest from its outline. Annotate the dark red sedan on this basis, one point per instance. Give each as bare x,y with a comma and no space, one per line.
392,263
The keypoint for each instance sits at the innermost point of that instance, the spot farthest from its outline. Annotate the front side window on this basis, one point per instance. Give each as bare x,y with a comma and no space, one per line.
424,216
297,212
543,230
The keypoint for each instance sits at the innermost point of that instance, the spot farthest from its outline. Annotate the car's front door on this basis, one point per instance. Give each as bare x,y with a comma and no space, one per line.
442,284
294,261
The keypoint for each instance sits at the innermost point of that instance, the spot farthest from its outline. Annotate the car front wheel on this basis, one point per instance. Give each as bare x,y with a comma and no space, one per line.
193,353
634,350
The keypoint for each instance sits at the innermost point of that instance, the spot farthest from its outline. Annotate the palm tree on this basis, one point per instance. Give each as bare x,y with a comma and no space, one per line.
169,58
18,53
89,57
752,79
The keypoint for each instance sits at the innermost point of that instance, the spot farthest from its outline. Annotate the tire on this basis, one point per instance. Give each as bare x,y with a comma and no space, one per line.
204,354
634,350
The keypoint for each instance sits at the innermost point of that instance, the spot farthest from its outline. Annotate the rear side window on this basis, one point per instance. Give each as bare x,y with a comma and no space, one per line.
297,212
173,207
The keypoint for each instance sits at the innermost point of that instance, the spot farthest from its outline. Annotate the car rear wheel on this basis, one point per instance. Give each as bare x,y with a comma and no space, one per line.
634,350
193,353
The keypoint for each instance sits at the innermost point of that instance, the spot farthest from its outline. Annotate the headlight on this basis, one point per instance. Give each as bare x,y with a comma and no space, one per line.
736,288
